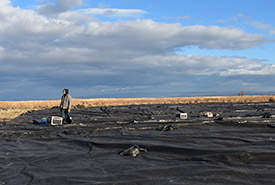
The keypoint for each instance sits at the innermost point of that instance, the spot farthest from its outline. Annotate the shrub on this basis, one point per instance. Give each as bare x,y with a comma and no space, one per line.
241,93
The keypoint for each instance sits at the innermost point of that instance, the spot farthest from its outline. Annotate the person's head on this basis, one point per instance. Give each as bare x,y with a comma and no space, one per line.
65,91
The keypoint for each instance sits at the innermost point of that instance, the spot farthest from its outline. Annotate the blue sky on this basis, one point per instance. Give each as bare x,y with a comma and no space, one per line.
135,48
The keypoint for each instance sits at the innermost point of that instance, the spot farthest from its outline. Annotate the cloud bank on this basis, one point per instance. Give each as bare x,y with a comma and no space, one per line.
52,47
50,9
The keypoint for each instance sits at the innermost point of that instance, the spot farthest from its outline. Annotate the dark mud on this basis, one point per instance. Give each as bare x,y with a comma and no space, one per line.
237,146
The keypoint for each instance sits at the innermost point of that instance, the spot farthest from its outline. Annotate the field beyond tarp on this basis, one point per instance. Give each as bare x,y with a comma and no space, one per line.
138,101
12,109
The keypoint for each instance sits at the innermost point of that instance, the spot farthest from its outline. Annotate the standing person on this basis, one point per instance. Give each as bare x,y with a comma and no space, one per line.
65,105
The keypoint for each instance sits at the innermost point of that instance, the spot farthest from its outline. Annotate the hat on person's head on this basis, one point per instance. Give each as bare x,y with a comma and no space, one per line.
66,90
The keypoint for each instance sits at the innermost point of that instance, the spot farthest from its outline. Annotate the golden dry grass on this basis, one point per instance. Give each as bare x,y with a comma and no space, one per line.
9,114
12,109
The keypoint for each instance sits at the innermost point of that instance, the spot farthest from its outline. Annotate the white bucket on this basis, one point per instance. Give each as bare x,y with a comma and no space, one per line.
56,120
183,116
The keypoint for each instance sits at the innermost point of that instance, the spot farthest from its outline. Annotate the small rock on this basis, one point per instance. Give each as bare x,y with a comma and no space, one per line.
266,115
133,151
166,128
35,122
219,119
209,114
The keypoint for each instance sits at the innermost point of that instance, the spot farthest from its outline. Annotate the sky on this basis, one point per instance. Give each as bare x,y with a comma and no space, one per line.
135,48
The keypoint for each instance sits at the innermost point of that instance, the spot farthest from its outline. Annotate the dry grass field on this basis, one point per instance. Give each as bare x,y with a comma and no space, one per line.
12,109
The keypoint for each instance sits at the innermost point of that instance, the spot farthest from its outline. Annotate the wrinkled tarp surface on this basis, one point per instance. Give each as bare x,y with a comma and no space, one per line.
237,146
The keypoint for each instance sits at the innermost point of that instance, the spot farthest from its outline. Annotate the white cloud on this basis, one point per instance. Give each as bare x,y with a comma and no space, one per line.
205,65
240,18
259,25
134,37
5,3
258,69
112,12
178,18
50,9
73,49
63,6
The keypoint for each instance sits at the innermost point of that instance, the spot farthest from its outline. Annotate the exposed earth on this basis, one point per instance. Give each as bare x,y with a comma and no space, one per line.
235,146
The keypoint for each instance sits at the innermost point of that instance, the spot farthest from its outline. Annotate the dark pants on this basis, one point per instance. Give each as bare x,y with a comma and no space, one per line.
65,115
